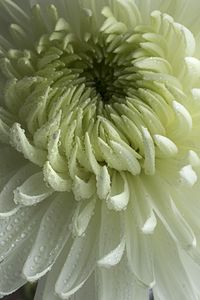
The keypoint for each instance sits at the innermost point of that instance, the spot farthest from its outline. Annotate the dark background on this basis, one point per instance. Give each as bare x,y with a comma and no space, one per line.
27,293
19,295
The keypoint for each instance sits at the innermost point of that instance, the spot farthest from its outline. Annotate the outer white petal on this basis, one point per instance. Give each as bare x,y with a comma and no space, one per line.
119,283
83,215
138,247
184,12
87,291
14,12
141,206
191,268
165,208
172,281
18,227
11,268
51,238
111,242
46,287
114,257
80,262
17,236
40,291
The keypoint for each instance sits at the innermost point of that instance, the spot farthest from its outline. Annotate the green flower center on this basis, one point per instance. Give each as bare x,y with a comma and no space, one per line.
102,78
92,65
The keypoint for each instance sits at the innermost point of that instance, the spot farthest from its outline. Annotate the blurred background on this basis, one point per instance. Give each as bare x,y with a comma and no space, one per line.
28,292
25,293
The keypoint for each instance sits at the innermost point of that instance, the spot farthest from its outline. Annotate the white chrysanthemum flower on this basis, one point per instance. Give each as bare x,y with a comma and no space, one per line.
99,153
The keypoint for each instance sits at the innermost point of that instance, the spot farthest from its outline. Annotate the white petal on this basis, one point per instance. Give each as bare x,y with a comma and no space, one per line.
196,95
80,262
172,281
32,191
7,204
114,257
119,156
156,64
191,268
127,156
83,215
190,43
119,283
17,236
82,189
111,240
165,208
47,288
11,268
58,181
149,151
17,227
184,118
193,69
140,204
138,247
103,183
21,143
51,238
193,158
102,175
188,176
14,12
150,224
87,291
57,161
118,200
40,290
90,155
165,145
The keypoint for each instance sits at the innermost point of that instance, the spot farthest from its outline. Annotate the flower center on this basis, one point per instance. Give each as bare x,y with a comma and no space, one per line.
89,63
101,77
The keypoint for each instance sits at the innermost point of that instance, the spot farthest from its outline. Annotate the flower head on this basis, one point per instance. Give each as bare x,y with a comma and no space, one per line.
99,153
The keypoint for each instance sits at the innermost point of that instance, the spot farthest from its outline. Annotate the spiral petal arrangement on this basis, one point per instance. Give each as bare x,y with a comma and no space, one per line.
100,149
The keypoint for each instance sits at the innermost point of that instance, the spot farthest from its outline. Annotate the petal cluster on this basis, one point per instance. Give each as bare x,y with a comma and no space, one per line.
99,153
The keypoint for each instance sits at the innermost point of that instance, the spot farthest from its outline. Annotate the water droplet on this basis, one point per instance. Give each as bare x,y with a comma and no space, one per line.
36,259
41,248
23,235
9,227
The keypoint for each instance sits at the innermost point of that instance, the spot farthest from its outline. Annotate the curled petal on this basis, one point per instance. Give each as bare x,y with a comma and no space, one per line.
32,191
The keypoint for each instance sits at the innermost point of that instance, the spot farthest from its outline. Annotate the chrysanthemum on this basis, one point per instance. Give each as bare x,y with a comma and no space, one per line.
100,145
